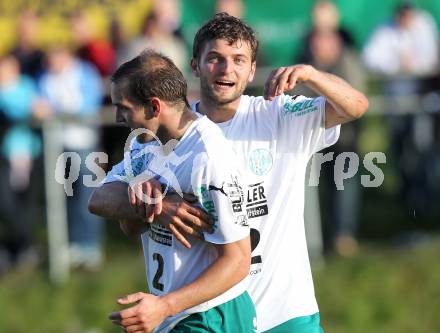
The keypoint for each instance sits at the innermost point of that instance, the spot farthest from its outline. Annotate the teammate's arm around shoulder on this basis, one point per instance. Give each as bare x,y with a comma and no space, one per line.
345,103
110,200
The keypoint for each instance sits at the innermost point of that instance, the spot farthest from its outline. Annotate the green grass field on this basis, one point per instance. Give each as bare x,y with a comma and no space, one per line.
381,290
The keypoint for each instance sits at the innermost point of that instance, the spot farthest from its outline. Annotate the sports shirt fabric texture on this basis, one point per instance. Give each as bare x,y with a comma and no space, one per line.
204,164
274,141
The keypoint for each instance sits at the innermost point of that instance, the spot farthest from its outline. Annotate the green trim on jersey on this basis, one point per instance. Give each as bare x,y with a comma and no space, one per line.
305,324
236,315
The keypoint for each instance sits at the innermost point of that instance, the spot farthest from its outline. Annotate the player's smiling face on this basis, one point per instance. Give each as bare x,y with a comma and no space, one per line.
224,70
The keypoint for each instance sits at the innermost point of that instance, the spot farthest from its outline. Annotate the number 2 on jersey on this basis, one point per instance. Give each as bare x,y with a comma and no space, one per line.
156,283
255,239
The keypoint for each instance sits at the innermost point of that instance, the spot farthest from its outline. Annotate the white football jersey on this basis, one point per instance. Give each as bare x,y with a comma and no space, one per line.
274,141
202,163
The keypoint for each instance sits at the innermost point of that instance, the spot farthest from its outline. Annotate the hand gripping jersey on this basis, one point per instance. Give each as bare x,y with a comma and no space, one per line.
274,141
202,163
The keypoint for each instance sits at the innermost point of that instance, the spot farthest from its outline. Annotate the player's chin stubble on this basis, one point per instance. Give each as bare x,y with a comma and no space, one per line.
214,99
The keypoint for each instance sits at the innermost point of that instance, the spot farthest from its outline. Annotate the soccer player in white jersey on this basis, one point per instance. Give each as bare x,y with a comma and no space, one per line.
202,289
275,137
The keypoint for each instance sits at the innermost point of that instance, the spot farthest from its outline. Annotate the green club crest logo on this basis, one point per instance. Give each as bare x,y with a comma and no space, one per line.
260,161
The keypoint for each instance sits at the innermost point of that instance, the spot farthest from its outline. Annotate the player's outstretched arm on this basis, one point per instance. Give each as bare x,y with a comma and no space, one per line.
345,102
231,267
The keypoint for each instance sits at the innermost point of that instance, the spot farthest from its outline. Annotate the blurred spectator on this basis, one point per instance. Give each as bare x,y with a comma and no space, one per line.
405,52
232,7
329,49
158,33
19,147
29,56
408,44
117,39
116,34
237,8
168,14
325,19
73,87
96,50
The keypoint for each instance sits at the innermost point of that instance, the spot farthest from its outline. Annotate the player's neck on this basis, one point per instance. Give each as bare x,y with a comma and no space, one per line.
216,112
176,125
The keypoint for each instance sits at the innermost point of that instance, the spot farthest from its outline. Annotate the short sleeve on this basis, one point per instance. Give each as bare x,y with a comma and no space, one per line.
220,191
116,174
136,165
301,125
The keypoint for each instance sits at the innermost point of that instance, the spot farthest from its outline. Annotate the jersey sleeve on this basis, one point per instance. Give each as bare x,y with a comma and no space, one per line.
220,190
116,174
301,125
134,166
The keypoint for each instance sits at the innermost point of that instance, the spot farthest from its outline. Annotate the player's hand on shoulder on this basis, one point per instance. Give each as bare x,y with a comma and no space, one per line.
284,79
146,198
172,211
183,218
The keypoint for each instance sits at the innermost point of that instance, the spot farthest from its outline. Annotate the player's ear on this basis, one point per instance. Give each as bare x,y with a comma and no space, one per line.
156,106
195,67
252,73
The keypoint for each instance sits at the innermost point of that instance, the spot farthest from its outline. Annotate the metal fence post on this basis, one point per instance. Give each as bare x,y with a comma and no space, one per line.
55,205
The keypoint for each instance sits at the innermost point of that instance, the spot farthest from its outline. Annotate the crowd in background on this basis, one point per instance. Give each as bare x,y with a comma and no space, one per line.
72,80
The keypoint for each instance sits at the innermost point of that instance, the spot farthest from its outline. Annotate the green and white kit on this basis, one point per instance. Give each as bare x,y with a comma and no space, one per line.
274,141
204,164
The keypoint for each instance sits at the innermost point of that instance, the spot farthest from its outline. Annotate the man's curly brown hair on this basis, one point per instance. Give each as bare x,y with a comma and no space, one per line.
227,27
